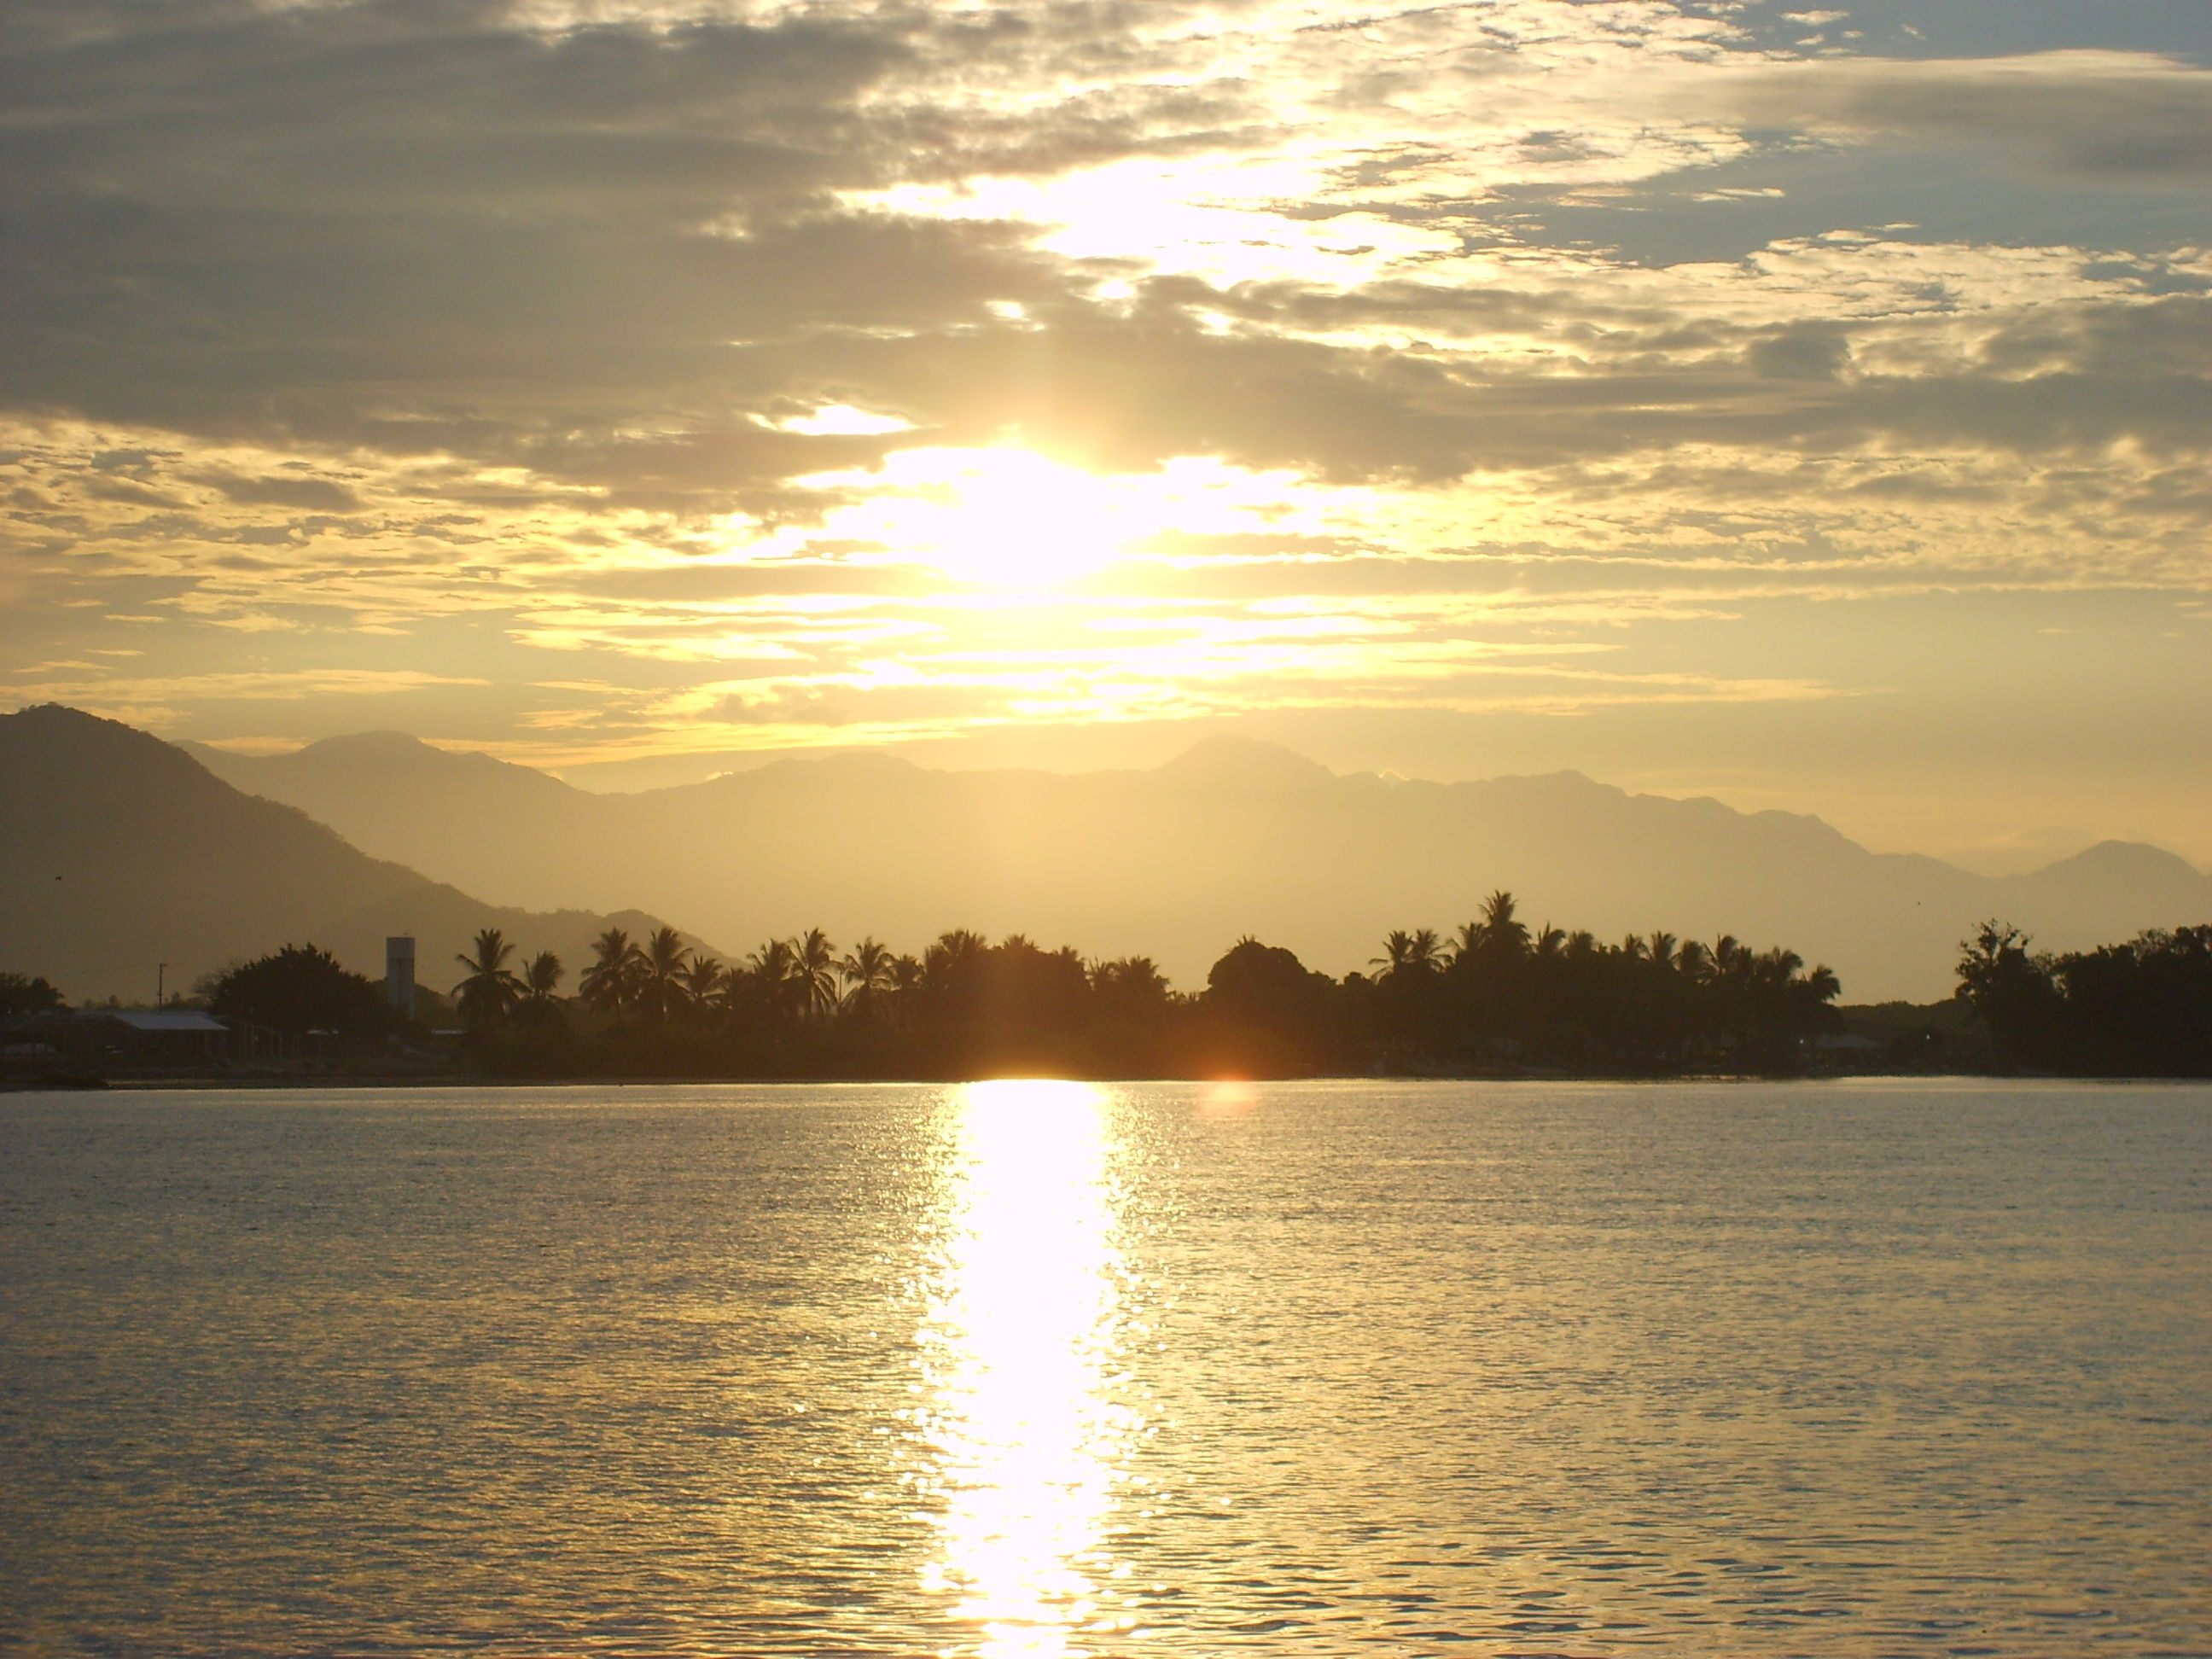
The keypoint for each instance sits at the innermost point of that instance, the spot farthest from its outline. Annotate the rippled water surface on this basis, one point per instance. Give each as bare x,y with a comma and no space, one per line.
1044,1369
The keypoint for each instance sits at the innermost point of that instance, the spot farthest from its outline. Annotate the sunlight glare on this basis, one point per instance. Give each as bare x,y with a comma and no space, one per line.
1010,519
1020,1342
841,420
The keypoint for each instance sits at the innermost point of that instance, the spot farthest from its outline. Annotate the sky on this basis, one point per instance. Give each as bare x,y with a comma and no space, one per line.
1805,406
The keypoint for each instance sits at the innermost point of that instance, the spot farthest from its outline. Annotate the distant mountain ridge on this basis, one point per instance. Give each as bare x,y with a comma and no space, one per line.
1233,836
119,851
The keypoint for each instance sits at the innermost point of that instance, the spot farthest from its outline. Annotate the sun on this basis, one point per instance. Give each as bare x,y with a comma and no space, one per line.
1020,519
1009,519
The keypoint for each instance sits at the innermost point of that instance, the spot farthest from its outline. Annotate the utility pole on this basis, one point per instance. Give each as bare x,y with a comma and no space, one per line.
161,983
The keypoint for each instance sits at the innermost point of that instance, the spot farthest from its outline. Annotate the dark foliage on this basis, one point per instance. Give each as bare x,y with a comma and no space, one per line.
20,994
1500,998
300,989
2141,1009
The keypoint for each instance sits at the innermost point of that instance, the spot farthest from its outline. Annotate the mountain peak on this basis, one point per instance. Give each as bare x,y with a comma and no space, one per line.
372,749
1246,763
2121,859
62,741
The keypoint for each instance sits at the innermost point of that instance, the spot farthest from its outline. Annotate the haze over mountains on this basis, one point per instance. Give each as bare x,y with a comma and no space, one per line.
1233,838
119,851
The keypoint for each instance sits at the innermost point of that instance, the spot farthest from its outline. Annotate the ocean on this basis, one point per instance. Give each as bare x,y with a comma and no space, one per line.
1854,1368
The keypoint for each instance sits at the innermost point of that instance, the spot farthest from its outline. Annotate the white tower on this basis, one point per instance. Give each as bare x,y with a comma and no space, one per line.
399,974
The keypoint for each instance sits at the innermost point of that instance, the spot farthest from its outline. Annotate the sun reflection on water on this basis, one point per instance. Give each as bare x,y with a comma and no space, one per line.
1024,1438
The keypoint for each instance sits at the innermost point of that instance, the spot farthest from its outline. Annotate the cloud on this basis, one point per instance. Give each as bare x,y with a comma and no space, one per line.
480,331
2115,117
277,491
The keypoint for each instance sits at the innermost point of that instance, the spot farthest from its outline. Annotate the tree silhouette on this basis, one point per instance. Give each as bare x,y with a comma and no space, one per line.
610,985
1499,930
1495,998
774,971
484,997
867,972
1132,983
2012,992
541,976
301,988
815,960
539,1007
20,994
660,974
1410,953
702,983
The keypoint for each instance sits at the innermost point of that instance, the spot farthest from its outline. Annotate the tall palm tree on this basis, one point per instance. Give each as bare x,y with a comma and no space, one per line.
867,973
610,984
1501,932
774,972
491,988
702,983
908,976
538,1006
816,958
951,955
1777,966
1410,955
660,974
541,976
1661,950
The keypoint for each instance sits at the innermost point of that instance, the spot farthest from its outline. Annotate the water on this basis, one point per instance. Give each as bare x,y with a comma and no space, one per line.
1314,1369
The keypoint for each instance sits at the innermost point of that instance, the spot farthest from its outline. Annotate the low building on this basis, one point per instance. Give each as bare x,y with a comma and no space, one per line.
166,1036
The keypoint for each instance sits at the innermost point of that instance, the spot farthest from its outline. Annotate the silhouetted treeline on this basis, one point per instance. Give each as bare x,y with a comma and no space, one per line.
2141,1009
21,994
1494,997
301,989
1497,997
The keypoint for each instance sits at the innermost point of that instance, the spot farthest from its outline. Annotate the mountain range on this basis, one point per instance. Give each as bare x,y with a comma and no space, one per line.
1233,838
120,853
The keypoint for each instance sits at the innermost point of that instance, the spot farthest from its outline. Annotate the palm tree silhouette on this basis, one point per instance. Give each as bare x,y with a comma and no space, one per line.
774,970
491,988
541,976
815,959
702,981
907,977
659,978
867,972
1500,931
1409,955
610,984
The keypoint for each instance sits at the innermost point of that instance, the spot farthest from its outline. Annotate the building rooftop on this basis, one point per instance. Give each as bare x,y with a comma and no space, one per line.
177,1019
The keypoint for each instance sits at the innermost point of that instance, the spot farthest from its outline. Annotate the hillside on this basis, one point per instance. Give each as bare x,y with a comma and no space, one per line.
1232,837
119,851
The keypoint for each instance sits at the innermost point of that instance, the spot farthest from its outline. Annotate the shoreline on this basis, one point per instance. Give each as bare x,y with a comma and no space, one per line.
451,1081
